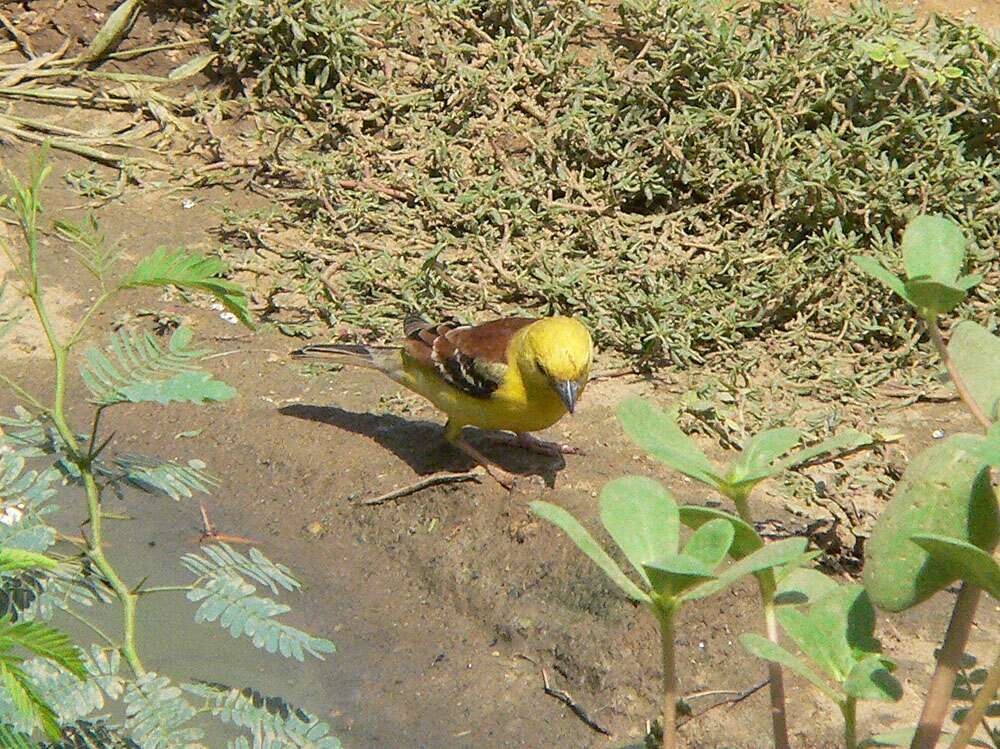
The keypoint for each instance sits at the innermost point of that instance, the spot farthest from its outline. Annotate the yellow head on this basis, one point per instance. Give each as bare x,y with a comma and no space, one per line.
556,352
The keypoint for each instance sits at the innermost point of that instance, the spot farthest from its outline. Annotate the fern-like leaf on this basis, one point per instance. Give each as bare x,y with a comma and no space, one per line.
21,559
29,704
90,245
232,601
97,734
27,436
28,492
103,665
73,583
222,559
69,698
45,641
163,476
18,593
180,268
156,713
10,738
140,370
270,719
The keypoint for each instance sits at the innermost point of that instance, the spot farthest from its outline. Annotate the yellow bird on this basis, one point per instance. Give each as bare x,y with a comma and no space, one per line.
516,374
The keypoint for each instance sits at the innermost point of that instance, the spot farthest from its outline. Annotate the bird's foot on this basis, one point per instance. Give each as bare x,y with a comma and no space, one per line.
506,479
530,442
498,474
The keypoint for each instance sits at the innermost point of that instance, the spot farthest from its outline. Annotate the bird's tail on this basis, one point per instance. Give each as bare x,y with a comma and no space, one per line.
383,358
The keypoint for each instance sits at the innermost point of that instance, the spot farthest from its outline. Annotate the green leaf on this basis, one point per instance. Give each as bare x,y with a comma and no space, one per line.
158,476
813,639
191,387
13,739
140,370
20,559
875,269
763,648
768,557
975,352
803,585
658,434
26,699
963,560
945,491
192,67
277,722
675,573
842,442
113,30
933,248
832,630
871,679
760,452
230,600
221,559
586,543
187,271
44,641
710,543
967,282
746,540
157,715
934,298
641,517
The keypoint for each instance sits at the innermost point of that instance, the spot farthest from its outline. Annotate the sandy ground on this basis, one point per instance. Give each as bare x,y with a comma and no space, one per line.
448,604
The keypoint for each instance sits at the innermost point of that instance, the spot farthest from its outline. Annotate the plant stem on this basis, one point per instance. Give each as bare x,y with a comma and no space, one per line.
97,630
776,680
75,337
979,706
25,395
943,681
668,720
949,660
849,710
95,547
956,379
96,554
163,589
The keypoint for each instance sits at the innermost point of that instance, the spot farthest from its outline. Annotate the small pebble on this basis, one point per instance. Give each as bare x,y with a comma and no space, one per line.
229,317
938,434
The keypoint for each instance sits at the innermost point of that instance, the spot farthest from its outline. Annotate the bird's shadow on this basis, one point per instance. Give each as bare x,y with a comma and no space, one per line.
421,444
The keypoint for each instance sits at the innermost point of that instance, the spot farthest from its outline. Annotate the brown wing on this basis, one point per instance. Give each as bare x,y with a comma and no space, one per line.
473,358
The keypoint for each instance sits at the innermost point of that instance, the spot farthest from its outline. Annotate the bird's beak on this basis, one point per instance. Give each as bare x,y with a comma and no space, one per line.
568,391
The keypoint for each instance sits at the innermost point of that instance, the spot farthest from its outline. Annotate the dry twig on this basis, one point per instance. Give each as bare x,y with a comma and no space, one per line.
436,480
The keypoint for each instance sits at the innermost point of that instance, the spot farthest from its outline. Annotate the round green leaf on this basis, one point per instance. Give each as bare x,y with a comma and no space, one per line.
933,248
975,352
746,540
945,491
641,516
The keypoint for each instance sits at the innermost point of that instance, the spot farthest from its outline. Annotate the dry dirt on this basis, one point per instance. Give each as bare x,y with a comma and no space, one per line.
446,605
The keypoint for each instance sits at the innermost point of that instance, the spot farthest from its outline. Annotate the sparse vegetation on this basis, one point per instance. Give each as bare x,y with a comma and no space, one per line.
65,690
942,525
690,178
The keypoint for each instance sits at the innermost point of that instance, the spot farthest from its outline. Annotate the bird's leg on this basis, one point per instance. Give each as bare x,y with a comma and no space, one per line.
530,442
504,478
454,435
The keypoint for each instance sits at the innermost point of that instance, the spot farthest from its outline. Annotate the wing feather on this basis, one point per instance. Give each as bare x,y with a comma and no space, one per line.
472,358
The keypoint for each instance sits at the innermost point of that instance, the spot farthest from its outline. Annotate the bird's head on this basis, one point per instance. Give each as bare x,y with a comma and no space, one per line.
557,352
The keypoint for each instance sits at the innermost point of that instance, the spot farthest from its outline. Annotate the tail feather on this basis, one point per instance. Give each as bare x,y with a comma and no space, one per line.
384,359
